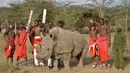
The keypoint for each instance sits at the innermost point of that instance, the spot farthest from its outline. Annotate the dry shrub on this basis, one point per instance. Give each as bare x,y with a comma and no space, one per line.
2,44
10,68
7,68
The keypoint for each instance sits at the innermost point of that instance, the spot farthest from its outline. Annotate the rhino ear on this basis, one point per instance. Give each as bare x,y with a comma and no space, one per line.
51,35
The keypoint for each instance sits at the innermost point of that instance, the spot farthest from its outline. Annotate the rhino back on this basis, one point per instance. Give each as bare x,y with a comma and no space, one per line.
78,43
64,43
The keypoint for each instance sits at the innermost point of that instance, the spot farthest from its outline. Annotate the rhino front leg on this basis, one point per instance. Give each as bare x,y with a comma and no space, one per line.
66,60
55,64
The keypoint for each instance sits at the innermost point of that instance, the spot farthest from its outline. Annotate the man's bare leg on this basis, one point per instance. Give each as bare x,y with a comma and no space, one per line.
7,59
26,61
104,64
93,62
11,59
17,62
108,65
99,61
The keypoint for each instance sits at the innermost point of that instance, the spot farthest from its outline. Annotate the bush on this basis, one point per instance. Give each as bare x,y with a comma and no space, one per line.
9,68
113,28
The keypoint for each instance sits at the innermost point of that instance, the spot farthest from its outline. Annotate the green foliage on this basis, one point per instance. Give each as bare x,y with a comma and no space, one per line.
69,14
20,12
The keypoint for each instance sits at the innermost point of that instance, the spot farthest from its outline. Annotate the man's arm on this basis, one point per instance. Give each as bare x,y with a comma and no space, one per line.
97,23
109,36
31,31
13,35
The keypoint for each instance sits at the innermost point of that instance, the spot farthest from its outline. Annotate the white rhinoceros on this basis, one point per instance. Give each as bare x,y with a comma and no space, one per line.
63,44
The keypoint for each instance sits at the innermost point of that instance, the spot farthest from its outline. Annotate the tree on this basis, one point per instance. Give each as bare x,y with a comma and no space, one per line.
100,5
126,4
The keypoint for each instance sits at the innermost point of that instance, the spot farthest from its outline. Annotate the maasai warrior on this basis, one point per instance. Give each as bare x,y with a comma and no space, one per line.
92,41
44,29
119,46
104,41
10,47
20,43
35,32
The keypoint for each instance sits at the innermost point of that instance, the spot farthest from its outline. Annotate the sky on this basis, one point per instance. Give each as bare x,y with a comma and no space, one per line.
77,2
6,2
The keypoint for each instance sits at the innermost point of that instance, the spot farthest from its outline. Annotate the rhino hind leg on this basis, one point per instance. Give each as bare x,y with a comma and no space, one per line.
66,60
78,56
83,55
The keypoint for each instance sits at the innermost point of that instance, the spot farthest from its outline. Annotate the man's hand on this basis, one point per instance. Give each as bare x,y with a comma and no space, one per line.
27,28
18,43
109,44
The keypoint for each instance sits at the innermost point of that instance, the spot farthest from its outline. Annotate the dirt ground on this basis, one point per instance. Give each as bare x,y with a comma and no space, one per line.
87,68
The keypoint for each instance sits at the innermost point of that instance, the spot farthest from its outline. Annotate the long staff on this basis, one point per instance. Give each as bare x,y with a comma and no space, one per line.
44,16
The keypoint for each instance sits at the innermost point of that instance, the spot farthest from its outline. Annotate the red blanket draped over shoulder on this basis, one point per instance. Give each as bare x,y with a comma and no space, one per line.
93,51
103,48
21,49
10,52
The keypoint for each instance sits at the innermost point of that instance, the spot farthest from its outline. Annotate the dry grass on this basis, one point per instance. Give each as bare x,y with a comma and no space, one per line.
10,68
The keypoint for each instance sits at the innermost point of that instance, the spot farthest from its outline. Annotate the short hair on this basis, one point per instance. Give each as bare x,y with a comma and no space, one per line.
102,19
61,23
36,22
39,20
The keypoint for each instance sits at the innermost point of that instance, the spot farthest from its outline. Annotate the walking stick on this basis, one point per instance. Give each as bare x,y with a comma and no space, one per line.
30,17
44,16
29,45
44,19
15,28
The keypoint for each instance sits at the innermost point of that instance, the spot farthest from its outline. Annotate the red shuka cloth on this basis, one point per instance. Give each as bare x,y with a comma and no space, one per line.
36,41
103,48
10,53
21,50
93,51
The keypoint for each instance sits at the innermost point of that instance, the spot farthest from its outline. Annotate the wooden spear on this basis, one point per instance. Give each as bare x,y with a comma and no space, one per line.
44,16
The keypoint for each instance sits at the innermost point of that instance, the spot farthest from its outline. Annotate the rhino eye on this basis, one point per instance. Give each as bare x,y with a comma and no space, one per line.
48,49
